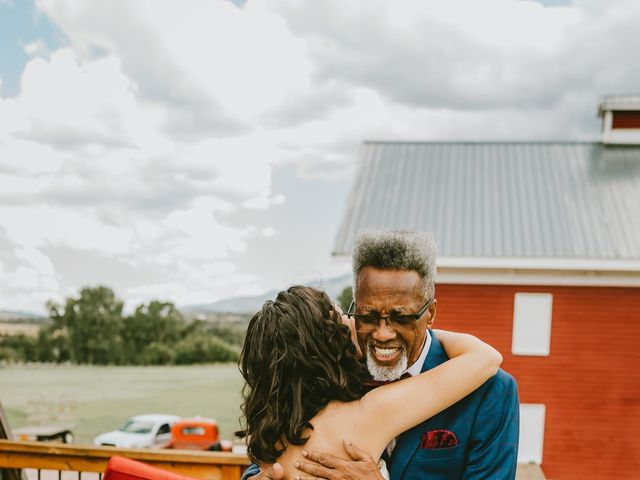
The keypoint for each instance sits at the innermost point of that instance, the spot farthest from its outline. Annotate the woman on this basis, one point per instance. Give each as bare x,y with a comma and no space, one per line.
306,389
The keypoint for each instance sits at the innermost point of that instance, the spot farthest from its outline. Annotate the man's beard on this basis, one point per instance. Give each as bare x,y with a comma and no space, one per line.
386,374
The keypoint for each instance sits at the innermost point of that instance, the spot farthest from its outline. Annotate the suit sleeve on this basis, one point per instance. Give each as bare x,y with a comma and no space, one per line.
252,470
493,448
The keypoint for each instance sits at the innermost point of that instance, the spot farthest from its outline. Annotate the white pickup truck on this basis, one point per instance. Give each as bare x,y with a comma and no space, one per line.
142,431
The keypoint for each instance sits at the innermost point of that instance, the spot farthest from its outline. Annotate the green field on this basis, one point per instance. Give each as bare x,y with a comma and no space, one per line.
104,397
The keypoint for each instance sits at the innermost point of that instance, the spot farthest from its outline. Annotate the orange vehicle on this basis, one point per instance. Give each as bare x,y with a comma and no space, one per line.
198,434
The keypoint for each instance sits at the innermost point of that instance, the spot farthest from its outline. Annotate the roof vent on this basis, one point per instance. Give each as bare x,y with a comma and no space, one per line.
620,119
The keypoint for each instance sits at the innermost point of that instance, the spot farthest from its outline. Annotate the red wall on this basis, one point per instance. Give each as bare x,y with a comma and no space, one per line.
590,383
626,119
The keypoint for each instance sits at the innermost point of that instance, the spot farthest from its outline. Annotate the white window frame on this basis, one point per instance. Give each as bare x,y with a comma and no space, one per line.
531,440
532,314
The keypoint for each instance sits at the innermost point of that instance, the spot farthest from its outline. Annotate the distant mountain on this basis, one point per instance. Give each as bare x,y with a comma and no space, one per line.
253,303
12,315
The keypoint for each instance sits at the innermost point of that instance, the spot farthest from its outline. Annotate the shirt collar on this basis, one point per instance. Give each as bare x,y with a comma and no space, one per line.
416,368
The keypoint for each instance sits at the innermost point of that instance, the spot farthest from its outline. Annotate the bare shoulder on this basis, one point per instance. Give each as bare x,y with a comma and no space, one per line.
336,417
340,420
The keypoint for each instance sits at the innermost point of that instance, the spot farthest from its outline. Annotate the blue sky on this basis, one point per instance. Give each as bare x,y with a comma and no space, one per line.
195,150
21,23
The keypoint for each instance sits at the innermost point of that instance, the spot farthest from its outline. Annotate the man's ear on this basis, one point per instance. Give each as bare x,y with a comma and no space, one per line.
432,313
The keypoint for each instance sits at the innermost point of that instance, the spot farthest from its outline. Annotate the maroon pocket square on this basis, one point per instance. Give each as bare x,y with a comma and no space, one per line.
438,439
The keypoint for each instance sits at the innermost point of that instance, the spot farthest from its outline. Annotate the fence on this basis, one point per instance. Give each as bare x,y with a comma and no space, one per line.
45,458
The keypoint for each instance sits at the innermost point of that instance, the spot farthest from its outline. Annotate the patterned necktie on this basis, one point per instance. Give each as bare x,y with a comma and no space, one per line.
371,384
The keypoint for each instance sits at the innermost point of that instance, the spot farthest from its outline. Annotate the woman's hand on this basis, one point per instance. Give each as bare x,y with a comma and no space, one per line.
351,323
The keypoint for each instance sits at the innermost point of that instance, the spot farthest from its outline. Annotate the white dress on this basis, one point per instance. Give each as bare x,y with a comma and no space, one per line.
383,469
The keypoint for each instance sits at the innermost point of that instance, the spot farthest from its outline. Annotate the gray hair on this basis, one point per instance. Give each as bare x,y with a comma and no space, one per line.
397,250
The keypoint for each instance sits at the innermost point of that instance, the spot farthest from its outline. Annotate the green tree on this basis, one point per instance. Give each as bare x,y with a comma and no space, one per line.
92,323
157,354
345,297
53,338
91,329
204,349
19,347
155,323
233,333
8,355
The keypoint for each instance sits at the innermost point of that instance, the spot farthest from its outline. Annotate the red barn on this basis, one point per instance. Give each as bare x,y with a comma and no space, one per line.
539,254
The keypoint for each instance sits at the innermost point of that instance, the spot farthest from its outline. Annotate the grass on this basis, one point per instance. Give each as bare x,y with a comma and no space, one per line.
104,397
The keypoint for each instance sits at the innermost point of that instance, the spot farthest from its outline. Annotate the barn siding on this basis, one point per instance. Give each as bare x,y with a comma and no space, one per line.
626,119
590,383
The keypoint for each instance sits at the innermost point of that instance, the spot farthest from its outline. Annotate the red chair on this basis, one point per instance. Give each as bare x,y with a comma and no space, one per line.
121,468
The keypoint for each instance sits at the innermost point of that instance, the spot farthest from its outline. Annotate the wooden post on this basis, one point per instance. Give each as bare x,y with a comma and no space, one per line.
5,434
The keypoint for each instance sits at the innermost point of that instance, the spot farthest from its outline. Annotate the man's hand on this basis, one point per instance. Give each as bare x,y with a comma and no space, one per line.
322,465
274,472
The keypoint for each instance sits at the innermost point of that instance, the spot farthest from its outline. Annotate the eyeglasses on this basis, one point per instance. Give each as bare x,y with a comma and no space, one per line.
369,322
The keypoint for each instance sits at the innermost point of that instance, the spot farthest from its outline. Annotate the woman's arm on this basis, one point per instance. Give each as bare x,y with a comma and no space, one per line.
455,344
409,402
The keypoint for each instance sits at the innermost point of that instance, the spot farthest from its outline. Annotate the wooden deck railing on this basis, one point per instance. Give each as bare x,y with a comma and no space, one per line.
200,465
60,457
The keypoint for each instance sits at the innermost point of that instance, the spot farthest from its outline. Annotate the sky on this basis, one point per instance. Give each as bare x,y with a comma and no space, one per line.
197,150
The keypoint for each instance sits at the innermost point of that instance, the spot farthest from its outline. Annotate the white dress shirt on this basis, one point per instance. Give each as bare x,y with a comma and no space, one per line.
414,369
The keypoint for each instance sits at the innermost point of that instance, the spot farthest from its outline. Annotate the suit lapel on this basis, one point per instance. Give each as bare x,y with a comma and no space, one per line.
409,441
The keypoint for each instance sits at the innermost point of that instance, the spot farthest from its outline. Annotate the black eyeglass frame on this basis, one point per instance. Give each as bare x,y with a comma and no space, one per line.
403,319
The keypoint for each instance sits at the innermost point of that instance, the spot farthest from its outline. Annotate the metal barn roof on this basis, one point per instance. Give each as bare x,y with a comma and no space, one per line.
619,102
526,200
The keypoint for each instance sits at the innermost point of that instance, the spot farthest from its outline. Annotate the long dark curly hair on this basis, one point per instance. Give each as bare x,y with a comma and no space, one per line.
297,357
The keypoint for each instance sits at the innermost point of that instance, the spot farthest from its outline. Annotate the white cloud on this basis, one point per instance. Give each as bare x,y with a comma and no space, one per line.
71,104
194,284
35,258
244,59
248,290
36,48
91,160
37,226
268,232
465,54
278,199
176,291
30,280
154,152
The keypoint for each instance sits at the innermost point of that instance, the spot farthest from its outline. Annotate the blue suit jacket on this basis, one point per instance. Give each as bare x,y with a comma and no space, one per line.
486,424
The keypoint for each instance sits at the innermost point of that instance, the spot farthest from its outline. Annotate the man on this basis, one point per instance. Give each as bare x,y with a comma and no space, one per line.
394,310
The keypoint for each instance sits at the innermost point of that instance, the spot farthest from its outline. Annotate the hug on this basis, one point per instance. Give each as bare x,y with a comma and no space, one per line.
376,392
